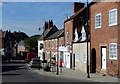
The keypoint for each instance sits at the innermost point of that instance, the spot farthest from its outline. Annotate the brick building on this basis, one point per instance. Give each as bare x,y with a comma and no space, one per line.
43,44
105,37
53,43
75,37
2,36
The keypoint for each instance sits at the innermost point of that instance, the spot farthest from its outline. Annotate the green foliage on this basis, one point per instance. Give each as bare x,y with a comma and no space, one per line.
20,36
31,43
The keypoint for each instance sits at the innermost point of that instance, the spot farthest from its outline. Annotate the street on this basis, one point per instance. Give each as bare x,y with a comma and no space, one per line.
20,72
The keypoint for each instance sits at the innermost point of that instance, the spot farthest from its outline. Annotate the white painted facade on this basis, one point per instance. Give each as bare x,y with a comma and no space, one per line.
40,51
66,56
80,51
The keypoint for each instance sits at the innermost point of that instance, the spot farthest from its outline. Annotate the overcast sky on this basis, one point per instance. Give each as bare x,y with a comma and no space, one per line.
29,16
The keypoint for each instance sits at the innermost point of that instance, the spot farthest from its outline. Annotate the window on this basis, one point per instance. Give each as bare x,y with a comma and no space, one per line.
76,35
67,37
56,43
113,17
41,46
52,43
113,51
77,57
83,34
98,21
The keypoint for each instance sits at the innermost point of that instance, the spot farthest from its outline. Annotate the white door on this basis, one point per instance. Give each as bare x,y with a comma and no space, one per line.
103,58
67,60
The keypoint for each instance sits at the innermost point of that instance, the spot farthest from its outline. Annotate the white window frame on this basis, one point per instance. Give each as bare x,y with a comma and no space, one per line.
67,37
113,54
98,26
56,43
115,23
52,43
77,57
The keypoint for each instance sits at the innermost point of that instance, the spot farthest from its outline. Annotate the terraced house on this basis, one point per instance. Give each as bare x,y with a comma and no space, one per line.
105,37
55,42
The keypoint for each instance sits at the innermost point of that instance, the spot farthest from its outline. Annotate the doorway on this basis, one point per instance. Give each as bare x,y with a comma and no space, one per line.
103,58
93,61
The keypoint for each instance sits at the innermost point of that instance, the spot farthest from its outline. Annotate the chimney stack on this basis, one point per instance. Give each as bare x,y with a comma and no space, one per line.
46,26
77,6
50,24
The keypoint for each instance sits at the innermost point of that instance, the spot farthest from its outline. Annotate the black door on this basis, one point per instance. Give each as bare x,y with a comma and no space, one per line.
93,61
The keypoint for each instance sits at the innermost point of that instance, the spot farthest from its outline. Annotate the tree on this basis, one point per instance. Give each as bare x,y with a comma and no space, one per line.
31,43
20,36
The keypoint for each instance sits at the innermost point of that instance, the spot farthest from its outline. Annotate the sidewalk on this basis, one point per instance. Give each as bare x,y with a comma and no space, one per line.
76,74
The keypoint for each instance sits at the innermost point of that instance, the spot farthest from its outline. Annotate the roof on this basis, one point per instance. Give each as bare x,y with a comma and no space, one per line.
57,34
79,12
48,32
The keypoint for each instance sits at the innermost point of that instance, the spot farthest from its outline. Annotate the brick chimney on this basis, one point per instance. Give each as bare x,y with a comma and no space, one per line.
50,23
77,6
46,25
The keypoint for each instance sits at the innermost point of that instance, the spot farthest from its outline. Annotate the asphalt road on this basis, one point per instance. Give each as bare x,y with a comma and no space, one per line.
21,73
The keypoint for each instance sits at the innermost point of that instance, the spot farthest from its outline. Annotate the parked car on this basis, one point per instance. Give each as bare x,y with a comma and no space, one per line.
36,63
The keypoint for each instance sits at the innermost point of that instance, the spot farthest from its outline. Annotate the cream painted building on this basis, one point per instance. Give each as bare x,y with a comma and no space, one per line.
80,52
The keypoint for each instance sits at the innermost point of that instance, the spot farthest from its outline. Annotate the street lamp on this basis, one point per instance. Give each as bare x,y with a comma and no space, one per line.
43,55
57,57
87,13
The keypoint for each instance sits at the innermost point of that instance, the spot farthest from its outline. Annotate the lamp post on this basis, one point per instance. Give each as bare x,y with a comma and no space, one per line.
43,55
57,57
87,13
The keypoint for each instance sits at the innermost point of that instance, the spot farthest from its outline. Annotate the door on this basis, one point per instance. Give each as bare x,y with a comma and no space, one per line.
103,58
67,60
93,61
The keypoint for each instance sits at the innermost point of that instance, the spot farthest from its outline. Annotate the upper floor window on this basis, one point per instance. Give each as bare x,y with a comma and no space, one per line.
76,35
113,51
56,40
52,43
83,34
98,21
113,17
67,37
41,46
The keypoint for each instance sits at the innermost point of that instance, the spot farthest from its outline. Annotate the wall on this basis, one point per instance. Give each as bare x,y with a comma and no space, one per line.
40,51
80,51
104,35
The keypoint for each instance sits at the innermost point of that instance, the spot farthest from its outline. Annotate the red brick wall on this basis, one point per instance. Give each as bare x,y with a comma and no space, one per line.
104,35
2,34
68,27
61,41
119,34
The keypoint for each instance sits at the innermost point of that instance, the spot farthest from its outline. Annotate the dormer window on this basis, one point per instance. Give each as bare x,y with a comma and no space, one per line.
83,34
76,35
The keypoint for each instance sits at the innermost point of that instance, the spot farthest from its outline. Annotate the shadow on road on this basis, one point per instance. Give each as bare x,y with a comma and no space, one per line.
6,68
10,74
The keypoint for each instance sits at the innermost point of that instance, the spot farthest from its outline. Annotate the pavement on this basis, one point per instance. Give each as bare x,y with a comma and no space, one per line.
77,74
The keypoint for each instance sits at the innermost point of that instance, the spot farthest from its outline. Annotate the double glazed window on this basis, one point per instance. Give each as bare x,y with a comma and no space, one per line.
98,21
113,51
113,17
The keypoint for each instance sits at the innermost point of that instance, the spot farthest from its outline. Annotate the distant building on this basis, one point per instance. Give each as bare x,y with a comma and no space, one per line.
54,43
49,29
2,37
21,48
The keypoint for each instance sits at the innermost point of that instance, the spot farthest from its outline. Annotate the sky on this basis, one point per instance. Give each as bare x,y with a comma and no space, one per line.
28,17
